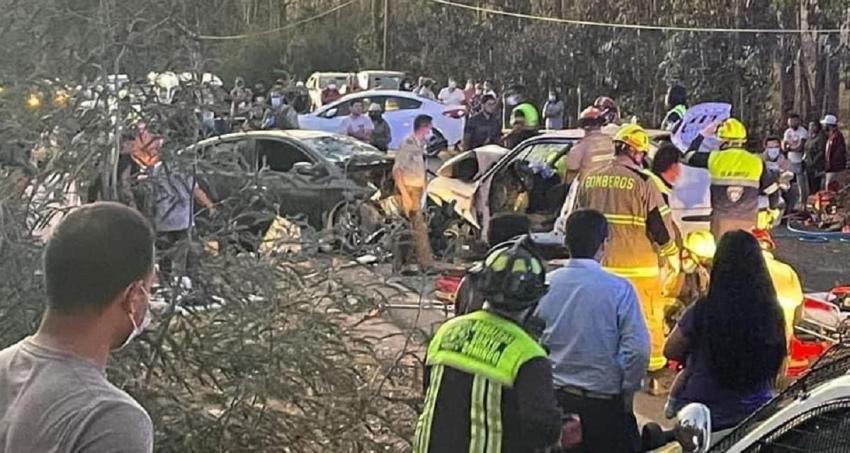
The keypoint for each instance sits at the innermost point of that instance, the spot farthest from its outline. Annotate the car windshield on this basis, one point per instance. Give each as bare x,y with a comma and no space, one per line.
339,148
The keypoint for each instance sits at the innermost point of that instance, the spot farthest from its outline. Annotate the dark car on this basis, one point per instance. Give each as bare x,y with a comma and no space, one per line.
323,178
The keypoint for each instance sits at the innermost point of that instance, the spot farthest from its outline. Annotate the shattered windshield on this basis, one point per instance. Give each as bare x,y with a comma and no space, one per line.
339,149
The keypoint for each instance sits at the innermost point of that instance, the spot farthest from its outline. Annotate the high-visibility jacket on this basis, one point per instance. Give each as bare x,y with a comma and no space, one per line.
673,117
786,282
532,118
663,186
482,355
639,221
737,178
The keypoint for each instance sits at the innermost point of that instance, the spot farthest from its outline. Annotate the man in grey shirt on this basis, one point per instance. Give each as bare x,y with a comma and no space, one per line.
54,395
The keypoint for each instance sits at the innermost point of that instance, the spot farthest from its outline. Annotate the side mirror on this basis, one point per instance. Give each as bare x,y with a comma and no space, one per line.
306,168
693,428
331,113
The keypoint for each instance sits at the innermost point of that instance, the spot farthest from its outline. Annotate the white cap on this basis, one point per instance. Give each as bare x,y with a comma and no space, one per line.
829,120
375,107
331,86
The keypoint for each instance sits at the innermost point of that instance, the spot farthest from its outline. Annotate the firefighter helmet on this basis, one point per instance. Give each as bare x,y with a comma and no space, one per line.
701,243
591,117
634,136
731,130
512,276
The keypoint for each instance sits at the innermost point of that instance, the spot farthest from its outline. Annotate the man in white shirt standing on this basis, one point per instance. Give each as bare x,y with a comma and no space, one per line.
793,143
356,124
452,95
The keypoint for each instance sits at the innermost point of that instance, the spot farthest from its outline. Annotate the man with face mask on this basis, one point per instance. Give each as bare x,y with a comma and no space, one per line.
55,393
381,134
281,115
452,95
483,128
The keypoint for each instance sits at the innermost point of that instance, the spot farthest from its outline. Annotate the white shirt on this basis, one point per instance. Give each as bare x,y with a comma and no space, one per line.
793,140
359,124
452,97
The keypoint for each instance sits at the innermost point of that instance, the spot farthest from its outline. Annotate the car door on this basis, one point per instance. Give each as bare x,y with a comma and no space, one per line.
328,118
824,429
295,188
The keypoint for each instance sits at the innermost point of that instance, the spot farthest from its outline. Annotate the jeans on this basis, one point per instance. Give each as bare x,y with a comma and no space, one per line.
607,425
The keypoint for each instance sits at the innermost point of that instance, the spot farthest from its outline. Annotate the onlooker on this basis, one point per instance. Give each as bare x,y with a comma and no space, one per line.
597,340
425,90
772,156
280,115
356,124
468,91
484,127
732,342
381,134
835,154
553,111
794,142
815,147
330,94
240,98
174,188
55,394
409,176
452,95
490,89
301,98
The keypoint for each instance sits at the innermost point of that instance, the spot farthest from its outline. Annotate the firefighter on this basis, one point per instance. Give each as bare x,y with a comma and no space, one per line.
594,150
489,385
737,177
677,102
641,227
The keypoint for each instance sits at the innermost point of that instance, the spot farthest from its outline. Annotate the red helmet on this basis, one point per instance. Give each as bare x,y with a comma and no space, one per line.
764,239
605,103
591,116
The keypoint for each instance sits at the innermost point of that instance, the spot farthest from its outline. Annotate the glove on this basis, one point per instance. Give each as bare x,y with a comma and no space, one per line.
674,263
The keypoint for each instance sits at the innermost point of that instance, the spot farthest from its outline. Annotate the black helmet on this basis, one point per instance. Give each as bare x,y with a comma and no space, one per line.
512,276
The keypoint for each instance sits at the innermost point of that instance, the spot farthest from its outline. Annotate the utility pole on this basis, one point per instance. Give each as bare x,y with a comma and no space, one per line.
386,27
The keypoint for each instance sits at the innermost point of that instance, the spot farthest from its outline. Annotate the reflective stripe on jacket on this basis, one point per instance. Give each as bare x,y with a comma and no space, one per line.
639,219
673,117
491,350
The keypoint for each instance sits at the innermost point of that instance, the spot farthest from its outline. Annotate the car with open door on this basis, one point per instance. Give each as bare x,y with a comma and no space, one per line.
400,109
323,178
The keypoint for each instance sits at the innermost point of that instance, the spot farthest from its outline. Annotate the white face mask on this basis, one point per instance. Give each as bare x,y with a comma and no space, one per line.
551,97
453,85
137,328
773,153
277,101
513,100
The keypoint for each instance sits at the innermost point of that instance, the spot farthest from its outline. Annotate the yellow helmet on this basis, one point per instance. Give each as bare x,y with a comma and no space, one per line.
634,136
732,130
701,243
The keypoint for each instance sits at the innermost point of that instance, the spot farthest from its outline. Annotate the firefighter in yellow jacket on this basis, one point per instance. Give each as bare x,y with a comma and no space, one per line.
641,227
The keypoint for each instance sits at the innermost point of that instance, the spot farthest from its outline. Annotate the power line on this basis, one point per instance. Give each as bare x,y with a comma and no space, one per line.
279,29
637,26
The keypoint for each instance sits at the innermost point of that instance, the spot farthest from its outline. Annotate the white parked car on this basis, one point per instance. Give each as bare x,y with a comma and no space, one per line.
400,108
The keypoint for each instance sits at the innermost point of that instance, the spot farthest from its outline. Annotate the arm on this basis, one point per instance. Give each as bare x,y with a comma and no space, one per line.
769,181
117,427
693,157
677,345
659,223
539,416
633,347
398,178
204,200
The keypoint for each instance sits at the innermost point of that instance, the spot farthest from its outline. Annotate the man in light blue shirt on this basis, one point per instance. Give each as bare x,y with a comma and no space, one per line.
597,339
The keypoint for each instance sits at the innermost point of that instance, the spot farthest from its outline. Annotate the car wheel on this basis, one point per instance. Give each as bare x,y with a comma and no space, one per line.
436,143
352,223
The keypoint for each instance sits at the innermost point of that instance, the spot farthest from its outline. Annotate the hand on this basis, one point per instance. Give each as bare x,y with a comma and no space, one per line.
710,129
211,211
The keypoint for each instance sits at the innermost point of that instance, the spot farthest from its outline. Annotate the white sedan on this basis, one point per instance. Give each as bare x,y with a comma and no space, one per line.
400,109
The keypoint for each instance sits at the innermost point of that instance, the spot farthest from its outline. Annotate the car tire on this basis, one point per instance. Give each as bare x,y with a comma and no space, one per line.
352,222
436,144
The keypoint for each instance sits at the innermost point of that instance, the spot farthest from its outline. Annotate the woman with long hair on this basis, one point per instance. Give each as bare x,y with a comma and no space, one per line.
732,342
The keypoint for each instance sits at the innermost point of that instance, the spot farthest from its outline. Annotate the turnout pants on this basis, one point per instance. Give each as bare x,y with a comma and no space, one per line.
652,303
